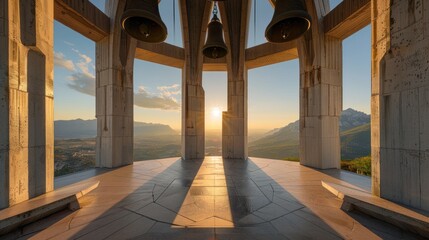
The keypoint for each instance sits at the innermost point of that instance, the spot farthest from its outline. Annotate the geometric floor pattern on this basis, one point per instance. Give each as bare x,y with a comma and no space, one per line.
211,198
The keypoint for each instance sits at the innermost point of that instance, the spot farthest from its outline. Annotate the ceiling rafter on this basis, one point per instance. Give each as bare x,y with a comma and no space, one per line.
161,53
82,16
347,18
269,53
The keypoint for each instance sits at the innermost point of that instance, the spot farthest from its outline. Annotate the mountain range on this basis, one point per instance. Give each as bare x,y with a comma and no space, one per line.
284,142
278,143
81,129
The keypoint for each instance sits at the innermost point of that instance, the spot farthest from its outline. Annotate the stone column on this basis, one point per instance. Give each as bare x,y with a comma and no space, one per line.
234,15
400,101
320,93
26,100
195,15
114,92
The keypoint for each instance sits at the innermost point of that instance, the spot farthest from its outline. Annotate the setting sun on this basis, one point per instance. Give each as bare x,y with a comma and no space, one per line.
216,112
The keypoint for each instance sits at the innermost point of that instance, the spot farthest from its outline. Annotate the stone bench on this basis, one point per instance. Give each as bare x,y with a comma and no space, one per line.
43,205
403,217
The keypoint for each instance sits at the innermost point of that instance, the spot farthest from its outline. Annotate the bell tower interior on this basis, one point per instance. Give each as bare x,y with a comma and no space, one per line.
178,197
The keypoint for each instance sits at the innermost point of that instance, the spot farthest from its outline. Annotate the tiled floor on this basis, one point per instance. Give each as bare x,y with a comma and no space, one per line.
212,199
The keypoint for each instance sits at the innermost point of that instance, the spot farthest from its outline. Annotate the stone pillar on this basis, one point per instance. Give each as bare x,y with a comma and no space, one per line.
195,15
235,14
114,92
320,93
26,100
400,101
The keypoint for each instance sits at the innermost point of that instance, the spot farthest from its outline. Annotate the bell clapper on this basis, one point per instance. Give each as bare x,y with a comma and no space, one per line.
145,29
285,31
215,53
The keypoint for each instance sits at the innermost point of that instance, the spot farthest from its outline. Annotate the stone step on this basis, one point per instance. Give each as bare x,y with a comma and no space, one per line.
44,205
403,217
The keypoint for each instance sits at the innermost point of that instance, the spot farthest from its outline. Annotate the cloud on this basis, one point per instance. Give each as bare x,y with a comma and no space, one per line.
169,91
145,99
84,63
61,61
69,43
82,82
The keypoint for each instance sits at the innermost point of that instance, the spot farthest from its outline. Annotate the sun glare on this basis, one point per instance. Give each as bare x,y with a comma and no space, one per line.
216,112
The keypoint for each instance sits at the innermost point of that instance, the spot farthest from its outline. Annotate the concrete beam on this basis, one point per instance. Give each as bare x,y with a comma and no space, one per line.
83,17
218,64
162,53
258,56
269,53
347,18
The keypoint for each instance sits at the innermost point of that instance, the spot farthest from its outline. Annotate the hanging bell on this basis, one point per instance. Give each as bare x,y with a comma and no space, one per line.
290,21
215,46
141,20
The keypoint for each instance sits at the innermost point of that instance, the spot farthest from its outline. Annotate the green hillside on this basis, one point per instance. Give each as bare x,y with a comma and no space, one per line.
355,142
279,145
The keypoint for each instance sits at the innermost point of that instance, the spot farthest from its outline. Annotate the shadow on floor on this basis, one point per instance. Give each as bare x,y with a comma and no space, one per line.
213,199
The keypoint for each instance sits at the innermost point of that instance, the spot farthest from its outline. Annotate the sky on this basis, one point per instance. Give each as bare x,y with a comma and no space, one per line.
273,91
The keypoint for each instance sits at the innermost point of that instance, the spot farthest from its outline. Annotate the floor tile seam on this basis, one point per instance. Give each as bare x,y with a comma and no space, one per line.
124,207
317,226
270,200
156,220
293,211
153,194
173,211
38,231
126,215
96,219
122,228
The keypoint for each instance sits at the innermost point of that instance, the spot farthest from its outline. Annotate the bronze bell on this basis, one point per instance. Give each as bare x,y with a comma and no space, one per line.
215,46
141,20
290,21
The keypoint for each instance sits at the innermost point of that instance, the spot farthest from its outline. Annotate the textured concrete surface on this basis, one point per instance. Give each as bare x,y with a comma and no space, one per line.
213,199
413,220
44,205
26,100
320,59
234,122
400,101
114,93
195,15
